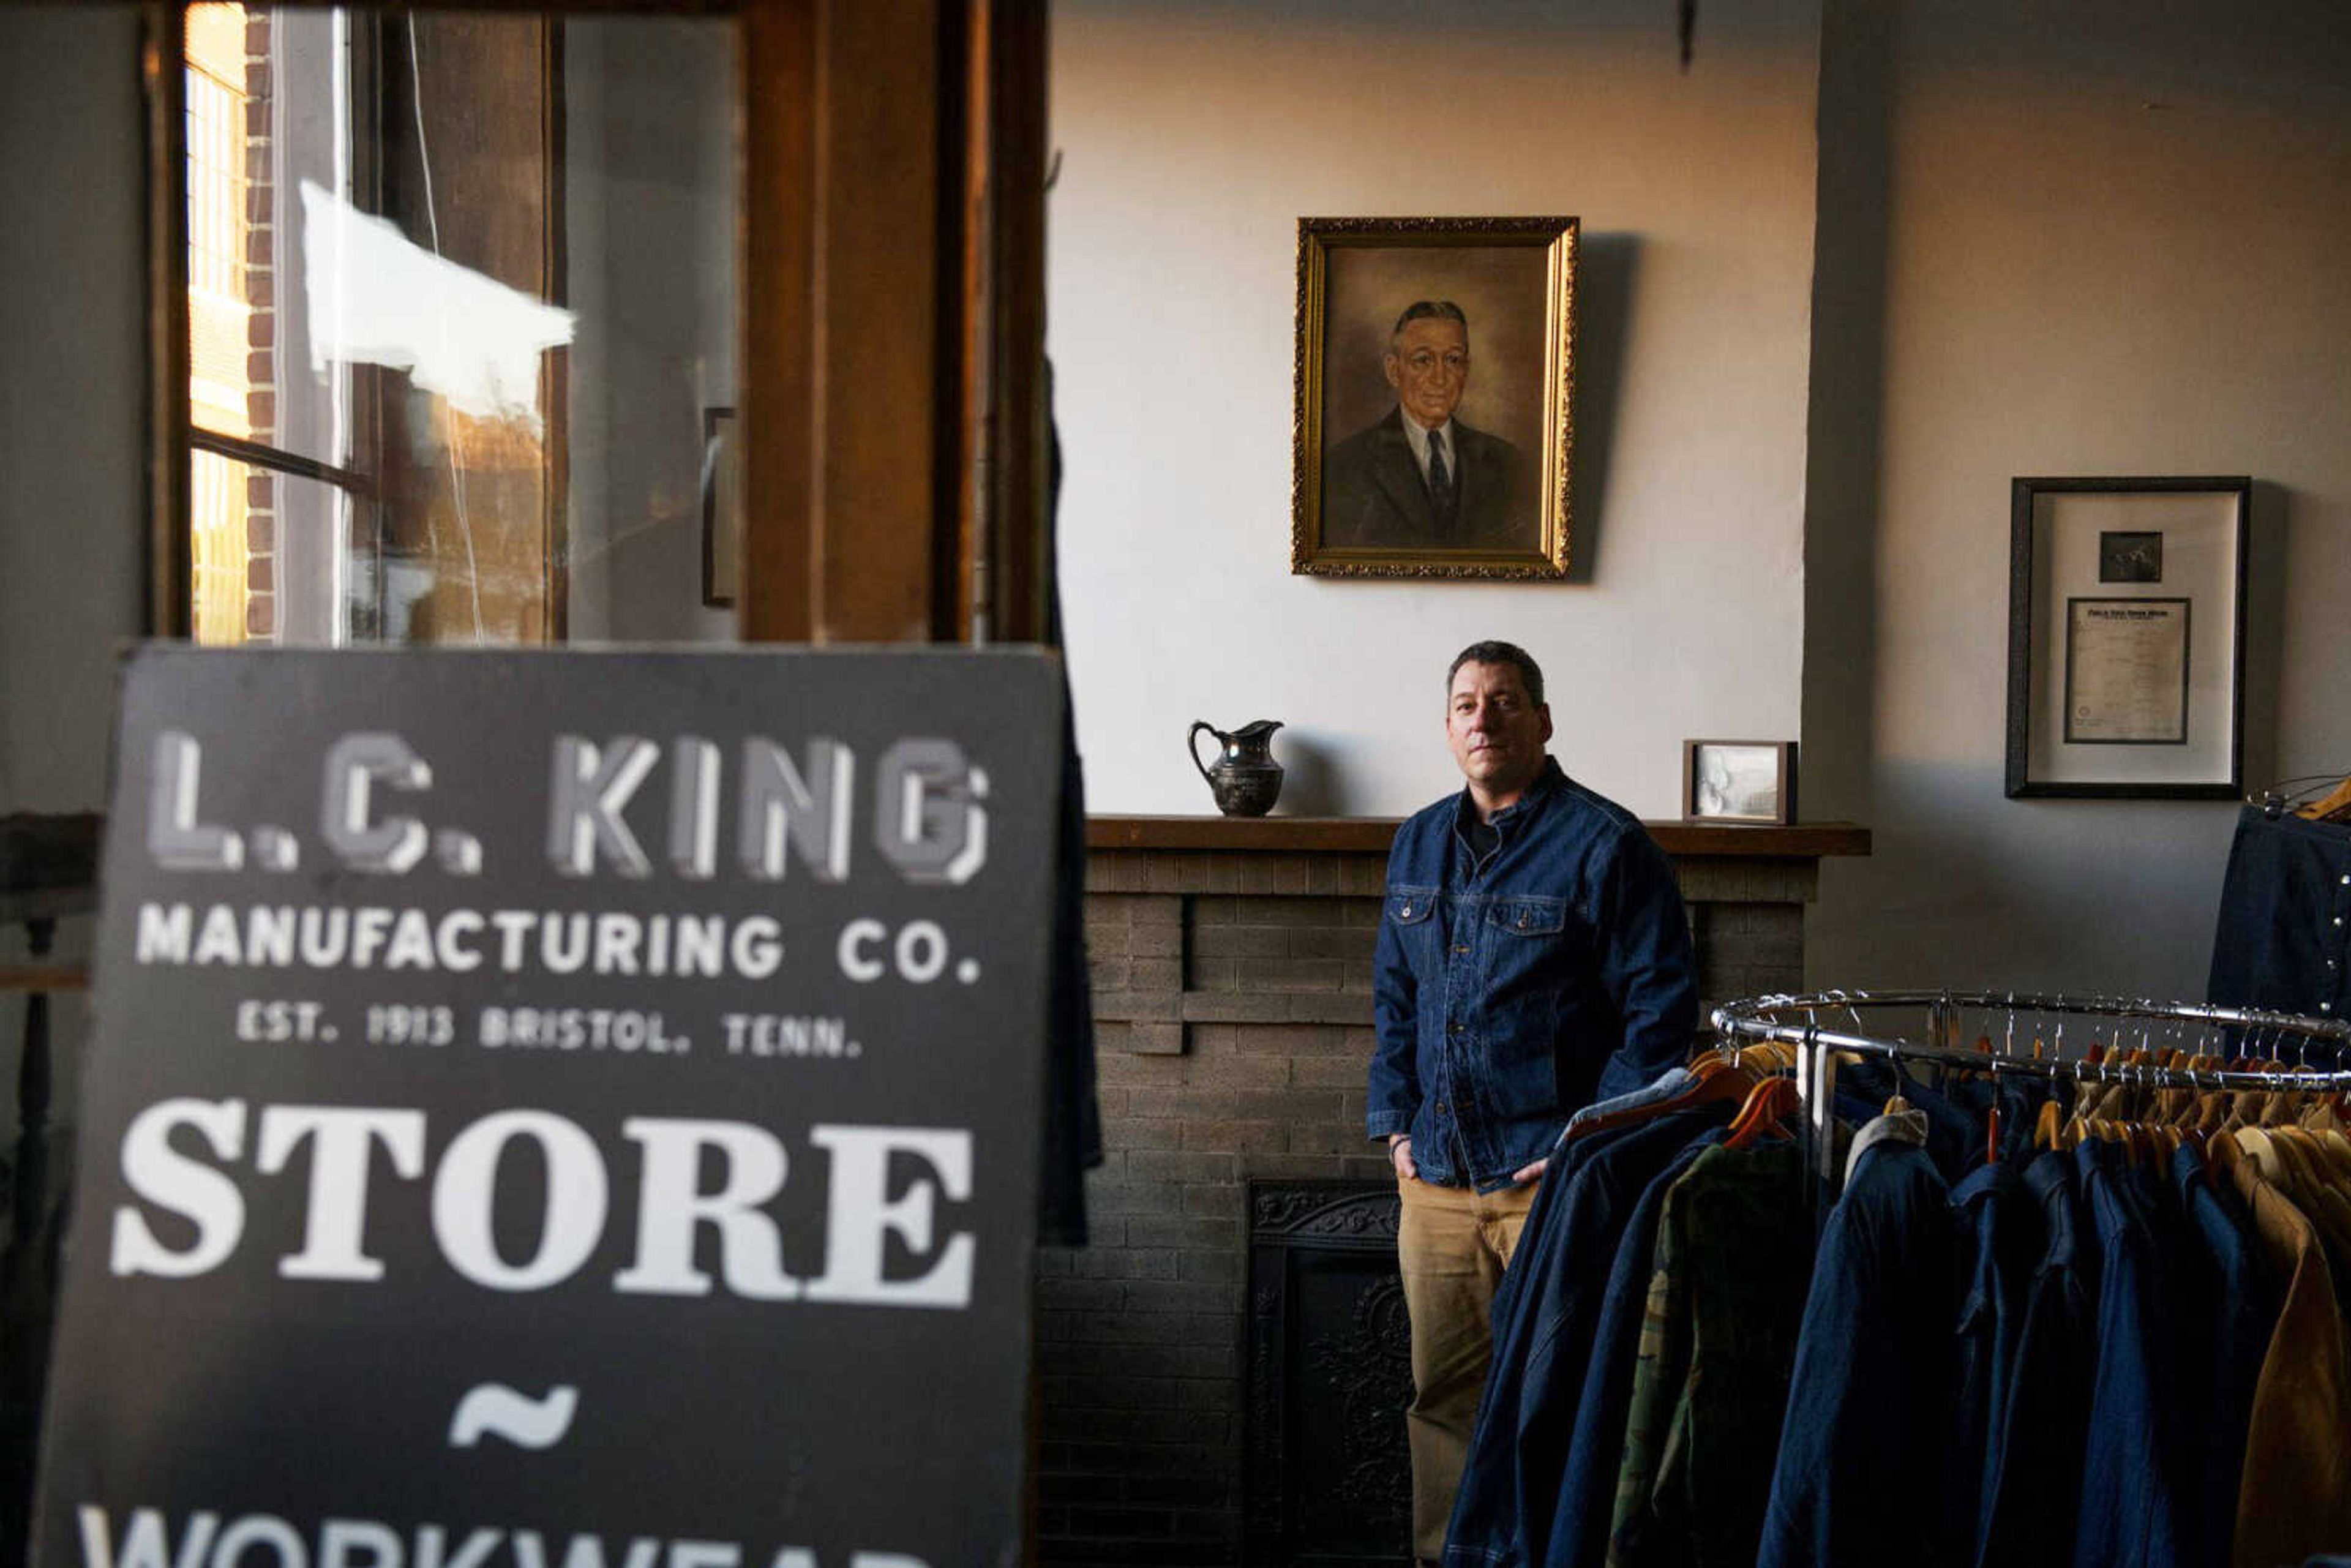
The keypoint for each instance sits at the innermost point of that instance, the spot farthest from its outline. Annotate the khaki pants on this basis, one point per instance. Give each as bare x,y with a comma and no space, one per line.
1452,1245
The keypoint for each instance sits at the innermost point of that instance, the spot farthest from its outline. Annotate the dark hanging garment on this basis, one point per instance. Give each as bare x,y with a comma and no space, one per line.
1853,1486
2283,942
2000,1246
2131,1511
1550,1301
1587,1497
2233,1303
2033,1456
1072,1138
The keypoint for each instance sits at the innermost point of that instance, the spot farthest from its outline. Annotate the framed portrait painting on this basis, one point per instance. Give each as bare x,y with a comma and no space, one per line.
2127,637
1435,430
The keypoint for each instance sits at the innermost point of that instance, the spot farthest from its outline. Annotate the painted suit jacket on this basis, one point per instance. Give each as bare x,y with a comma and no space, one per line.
1373,494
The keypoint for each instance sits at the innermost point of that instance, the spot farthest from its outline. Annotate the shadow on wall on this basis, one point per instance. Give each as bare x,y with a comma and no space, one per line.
2271,531
1314,780
1844,435
1974,890
1604,309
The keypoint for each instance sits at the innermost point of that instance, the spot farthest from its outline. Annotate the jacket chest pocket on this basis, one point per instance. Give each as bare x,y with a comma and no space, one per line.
1411,905
1412,911
1522,940
1530,916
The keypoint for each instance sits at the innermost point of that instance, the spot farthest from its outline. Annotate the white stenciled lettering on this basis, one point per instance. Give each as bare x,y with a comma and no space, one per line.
275,1537
811,811
218,942
860,1216
584,1551
590,789
173,1182
370,928
750,1249
354,765
757,947
175,838
693,807
163,932
267,1541
856,962
464,1187
144,1544
358,1543
459,940
929,821
433,1547
341,1140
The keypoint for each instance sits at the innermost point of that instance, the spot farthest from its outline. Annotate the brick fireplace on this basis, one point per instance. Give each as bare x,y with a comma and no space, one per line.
1232,985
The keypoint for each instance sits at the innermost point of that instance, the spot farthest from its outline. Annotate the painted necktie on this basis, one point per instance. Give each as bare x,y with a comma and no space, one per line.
1440,482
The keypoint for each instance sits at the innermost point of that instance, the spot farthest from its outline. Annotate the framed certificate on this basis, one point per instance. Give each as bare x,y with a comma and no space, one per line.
2125,673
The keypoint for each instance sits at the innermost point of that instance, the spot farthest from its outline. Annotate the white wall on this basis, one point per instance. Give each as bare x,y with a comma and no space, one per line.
2062,237
1193,138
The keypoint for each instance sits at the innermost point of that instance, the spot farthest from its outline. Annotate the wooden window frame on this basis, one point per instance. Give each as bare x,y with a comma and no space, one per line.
890,392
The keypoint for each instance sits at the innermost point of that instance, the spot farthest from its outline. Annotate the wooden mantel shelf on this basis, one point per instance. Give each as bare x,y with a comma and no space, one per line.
1370,835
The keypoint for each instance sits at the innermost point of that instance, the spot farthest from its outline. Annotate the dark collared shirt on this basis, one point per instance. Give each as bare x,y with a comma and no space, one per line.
1518,978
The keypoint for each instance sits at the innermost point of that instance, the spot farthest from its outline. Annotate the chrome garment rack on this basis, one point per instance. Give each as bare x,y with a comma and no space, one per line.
1942,1017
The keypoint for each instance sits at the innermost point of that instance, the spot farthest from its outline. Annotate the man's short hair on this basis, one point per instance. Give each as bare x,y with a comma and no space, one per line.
1424,310
1495,652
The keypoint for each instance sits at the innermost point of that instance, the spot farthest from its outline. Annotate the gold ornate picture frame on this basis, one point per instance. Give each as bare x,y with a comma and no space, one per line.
1466,322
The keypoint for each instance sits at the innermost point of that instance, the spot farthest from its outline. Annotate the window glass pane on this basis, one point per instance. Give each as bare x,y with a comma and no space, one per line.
649,233
221,71
274,562
478,268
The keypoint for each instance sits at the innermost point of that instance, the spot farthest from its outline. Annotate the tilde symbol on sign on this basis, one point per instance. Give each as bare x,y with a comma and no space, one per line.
493,1410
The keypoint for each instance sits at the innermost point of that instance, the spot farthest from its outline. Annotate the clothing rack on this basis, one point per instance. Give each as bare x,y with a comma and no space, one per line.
1795,1020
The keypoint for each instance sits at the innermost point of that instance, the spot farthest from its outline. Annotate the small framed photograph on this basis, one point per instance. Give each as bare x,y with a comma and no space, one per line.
1434,434
1739,782
2129,556
2125,637
722,507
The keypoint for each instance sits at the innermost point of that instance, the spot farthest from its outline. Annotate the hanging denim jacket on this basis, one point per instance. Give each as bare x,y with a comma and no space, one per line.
1511,987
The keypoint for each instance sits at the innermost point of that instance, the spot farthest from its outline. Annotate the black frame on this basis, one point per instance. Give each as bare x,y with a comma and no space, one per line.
2022,495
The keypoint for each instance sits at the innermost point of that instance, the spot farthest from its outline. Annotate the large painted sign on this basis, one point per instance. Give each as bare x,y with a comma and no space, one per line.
559,1111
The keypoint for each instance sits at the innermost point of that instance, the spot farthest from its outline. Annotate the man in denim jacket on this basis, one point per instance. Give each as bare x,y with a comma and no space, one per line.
1534,956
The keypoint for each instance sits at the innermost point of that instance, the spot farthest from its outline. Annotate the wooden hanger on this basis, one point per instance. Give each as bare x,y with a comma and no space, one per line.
1767,1105
1726,1084
2335,806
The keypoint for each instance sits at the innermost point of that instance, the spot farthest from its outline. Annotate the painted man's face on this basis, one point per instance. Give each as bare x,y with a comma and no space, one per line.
1428,365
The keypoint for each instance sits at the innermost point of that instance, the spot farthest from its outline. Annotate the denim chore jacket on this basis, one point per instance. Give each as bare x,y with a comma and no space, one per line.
1512,991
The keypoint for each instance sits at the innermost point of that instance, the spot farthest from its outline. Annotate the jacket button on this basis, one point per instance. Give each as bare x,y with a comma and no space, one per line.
1406,910
1443,1108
